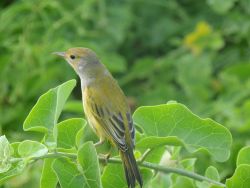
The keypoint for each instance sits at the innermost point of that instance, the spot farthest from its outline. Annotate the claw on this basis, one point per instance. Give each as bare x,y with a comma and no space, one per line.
105,158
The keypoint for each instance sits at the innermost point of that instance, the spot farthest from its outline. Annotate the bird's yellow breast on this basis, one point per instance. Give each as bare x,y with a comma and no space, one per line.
94,124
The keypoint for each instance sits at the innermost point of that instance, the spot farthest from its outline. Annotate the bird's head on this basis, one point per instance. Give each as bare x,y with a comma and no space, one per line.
81,59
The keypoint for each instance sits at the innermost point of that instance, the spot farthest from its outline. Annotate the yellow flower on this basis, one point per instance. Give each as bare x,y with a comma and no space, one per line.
192,39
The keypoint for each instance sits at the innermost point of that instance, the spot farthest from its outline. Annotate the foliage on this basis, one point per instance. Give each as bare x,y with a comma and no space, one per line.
74,164
193,52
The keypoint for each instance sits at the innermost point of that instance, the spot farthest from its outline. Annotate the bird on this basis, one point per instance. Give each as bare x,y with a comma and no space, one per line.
105,107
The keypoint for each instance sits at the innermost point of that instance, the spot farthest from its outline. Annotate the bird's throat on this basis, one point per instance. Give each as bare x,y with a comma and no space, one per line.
92,74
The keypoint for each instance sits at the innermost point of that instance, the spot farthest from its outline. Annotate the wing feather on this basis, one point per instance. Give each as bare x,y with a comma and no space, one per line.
112,114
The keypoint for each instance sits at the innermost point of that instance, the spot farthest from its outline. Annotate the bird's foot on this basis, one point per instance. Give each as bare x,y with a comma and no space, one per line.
99,143
105,158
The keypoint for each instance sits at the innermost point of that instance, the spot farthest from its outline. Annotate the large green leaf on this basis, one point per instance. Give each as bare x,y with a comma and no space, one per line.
87,157
67,131
87,175
29,148
68,174
48,177
5,153
176,123
44,115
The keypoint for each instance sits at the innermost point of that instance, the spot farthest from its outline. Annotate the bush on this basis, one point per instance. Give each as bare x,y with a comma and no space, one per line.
193,52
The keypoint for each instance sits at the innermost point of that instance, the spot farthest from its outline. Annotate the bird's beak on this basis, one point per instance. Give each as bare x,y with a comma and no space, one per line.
62,54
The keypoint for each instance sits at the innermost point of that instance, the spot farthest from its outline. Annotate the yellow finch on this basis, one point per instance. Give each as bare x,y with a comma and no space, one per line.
105,107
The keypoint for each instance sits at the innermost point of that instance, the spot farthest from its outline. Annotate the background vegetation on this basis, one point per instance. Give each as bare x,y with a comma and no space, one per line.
193,52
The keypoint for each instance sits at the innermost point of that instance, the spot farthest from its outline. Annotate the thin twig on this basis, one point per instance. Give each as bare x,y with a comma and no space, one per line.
149,165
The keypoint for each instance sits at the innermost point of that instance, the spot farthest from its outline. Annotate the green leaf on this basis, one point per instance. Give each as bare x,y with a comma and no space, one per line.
147,175
14,150
86,134
68,174
15,170
87,157
241,175
29,148
5,152
188,164
48,177
160,181
87,175
79,137
154,142
240,178
155,155
176,120
181,181
44,115
113,176
212,173
67,131
244,156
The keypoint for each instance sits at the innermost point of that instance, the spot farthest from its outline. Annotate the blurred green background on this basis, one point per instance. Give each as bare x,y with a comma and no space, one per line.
193,52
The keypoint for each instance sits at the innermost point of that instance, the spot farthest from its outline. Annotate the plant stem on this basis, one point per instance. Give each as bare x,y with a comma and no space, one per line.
144,155
181,172
143,164
168,170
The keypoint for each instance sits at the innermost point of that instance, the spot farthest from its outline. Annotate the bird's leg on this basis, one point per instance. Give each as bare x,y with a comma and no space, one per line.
109,153
107,156
99,143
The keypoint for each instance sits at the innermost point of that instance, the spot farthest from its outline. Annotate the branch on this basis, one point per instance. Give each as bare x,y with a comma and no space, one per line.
168,170
143,164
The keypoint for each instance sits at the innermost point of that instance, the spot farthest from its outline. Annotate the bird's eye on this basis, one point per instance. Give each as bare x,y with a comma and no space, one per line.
72,57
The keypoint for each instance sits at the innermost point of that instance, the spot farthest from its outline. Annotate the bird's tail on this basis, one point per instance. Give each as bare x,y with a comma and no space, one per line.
132,172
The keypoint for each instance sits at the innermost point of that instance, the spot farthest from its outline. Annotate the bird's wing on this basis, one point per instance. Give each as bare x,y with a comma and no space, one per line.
107,103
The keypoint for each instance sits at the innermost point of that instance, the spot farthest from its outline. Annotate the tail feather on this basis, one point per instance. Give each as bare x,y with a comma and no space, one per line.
132,172
129,177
